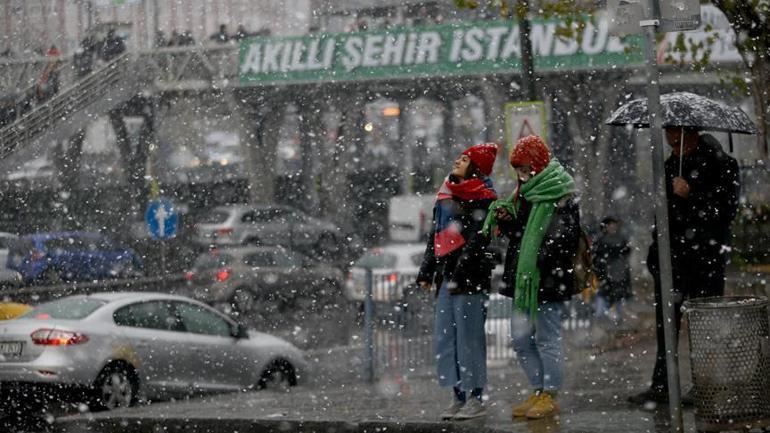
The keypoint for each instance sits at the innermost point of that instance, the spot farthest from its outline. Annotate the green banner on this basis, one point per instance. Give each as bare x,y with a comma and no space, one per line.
485,47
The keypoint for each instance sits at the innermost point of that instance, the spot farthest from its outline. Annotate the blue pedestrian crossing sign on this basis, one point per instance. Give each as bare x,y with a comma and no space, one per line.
162,219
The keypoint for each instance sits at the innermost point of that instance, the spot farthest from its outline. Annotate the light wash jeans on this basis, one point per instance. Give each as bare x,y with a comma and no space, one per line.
538,345
460,340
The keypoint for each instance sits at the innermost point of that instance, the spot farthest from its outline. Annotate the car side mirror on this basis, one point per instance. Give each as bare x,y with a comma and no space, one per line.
241,332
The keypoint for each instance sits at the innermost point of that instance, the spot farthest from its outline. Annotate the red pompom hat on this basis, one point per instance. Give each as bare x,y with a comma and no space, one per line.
483,156
532,151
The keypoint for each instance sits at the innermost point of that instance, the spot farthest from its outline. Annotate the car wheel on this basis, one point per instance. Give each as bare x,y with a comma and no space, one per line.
52,276
116,387
327,244
279,375
243,301
253,241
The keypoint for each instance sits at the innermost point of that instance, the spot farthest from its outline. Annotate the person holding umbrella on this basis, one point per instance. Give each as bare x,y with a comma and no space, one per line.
702,190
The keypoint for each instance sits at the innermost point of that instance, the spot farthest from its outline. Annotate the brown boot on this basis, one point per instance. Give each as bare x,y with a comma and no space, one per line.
520,410
544,406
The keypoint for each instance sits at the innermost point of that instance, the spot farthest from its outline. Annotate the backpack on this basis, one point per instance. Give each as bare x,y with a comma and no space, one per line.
584,275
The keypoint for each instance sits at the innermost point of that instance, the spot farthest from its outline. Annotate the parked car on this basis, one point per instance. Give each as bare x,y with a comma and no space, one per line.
394,271
5,240
71,256
237,278
10,310
112,349
10,279
267,225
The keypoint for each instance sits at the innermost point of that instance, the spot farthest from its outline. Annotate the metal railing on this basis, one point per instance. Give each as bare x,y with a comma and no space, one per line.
121,71
399,325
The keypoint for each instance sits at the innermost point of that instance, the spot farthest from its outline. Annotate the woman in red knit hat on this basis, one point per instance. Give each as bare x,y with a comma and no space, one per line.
542,222
456,263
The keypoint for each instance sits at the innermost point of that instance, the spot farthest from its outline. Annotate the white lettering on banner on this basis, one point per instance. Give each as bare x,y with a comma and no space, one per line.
595,40
270,61
393,49
353,47
615,45
472,51
542,39
457,43
312,55
496,35
430,42
285,57
372,51
411,46
512,46
296,57
329,53
565,47
251,63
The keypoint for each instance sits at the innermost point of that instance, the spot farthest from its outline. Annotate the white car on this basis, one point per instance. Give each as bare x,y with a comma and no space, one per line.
5,240
111,349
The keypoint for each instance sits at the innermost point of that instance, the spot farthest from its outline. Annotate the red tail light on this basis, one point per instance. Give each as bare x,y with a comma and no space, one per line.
55,337
37,255
188,276
224,232
223,275
393,277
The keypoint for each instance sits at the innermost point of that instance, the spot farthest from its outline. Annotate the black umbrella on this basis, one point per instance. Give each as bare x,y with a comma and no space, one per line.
686,110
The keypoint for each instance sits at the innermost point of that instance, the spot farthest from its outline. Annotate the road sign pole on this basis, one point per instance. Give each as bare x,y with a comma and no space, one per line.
661,216
163,265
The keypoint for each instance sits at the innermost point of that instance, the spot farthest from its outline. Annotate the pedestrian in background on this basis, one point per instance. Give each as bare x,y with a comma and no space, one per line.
456,262
610,258
702,191
541,219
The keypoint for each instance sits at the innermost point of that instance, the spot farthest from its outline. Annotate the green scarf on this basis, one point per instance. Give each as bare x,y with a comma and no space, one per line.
543,190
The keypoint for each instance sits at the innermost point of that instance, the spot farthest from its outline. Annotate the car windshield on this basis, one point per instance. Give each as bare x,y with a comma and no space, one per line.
214,217
377,259
210,261
67,309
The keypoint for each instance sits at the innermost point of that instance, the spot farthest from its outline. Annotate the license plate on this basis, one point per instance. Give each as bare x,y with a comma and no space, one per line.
11,347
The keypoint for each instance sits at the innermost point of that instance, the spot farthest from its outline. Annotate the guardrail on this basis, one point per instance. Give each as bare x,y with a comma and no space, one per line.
37,294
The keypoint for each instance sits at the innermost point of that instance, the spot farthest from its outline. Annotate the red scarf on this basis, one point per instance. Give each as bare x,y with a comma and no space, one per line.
471,189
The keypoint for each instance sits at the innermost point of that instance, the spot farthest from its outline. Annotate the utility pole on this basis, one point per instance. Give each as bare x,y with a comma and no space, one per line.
527,58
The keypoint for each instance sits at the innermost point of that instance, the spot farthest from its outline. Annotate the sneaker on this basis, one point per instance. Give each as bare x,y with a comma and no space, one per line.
452,409
544,406
520,410
649,397
472,409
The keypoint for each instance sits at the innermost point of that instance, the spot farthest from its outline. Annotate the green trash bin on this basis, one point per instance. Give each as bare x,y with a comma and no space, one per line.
730,362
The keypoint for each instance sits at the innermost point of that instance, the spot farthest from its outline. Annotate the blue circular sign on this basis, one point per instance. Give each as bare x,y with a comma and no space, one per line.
162,219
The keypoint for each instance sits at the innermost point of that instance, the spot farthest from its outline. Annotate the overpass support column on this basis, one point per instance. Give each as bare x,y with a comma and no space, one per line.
311,133
261,147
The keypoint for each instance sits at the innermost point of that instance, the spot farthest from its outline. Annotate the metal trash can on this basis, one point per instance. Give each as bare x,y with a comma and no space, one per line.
730,362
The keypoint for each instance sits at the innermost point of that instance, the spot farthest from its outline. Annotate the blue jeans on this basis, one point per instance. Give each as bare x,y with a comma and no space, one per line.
460,340
538,345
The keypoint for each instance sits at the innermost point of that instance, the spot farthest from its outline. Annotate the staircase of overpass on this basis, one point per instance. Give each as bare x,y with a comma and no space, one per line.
81,100
75,106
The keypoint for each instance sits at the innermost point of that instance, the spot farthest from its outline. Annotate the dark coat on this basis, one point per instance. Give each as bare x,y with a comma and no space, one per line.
699,225
556,254
468,269
610,259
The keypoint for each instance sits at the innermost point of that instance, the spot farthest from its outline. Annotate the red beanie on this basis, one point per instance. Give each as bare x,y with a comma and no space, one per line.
483,156
532,151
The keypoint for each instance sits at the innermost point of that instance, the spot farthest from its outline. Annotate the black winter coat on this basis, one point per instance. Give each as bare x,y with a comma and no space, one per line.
699,225
556,254
468,269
